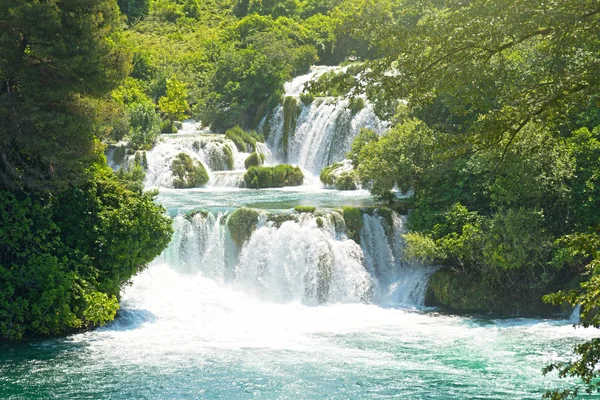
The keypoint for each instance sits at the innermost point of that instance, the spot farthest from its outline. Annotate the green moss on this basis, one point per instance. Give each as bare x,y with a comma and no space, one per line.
273,177
290,114
191,214
354,222
242,223
320,222
221,158
244,141
346,181
327,176
356,104
278,219
467,293
253,160
305,209
188,173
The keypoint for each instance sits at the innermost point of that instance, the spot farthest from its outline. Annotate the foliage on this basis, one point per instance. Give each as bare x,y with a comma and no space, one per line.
242,224
273,177
64,260
344,180
364,137
58,60
188,173
356,104
174,104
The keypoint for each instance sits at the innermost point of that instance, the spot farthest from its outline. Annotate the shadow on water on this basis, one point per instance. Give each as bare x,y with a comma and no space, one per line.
129,319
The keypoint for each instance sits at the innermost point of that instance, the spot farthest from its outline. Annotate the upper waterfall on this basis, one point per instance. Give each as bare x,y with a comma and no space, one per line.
314,134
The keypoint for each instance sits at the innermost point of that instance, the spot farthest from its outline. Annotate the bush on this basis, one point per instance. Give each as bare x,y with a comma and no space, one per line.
305,209
187,173
273,177
242,224
254,160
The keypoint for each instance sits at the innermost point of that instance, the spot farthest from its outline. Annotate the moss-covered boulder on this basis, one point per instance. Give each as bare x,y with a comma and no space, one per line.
188,173
220,158
339,176
273,177
254,160
460,292
354,222
242,223
244,141
305,209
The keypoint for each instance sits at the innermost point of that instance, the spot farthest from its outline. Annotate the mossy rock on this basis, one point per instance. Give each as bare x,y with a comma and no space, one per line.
354,222
188,173
346,181
462,292
327,176
320,222
221,158
191,214
273,177
244,141
242,223
278,219
254,160
305,209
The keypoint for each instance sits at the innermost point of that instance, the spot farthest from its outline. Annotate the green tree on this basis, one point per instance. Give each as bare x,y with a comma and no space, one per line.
57,60
174,105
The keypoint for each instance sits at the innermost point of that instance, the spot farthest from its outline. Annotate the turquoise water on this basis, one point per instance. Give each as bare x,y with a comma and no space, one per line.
186,336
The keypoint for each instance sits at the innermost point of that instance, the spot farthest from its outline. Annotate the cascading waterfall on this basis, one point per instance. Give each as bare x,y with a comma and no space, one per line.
316,135
209,149
322,265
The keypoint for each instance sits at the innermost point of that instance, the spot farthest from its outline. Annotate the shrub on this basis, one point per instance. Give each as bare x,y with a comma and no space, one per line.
187,173
254,160
273,177
242,224
305,209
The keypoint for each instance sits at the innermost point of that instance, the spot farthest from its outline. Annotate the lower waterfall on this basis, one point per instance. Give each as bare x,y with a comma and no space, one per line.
308,258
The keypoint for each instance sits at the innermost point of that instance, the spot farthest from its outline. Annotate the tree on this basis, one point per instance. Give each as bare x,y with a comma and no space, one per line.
57,61
174,105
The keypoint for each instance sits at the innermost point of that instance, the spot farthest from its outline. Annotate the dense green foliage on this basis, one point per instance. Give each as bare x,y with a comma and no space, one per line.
497,144
242,224
244,141
64,260
273,177
187,172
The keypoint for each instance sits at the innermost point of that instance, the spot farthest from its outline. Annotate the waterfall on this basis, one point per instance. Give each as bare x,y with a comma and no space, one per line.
306,258
208,149
318,134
